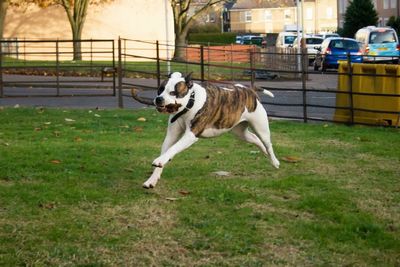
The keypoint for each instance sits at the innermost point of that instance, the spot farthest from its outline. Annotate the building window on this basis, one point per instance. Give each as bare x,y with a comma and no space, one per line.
247,16
385,4
309,13
329,12
393,3
375,4
268,15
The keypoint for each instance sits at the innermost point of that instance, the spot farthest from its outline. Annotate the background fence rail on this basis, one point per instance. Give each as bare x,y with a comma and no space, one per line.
301,93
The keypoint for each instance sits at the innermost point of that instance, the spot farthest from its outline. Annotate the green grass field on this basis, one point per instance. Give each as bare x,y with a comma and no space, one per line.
71,195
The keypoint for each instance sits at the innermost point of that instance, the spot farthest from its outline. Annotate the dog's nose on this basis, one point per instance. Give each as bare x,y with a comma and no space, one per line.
159,100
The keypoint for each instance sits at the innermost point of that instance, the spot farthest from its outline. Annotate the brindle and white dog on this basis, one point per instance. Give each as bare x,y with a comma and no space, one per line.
197,111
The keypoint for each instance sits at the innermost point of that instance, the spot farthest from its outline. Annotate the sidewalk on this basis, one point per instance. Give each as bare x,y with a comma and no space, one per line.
316,81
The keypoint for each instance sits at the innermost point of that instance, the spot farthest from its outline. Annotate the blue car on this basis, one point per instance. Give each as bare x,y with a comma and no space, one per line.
335,49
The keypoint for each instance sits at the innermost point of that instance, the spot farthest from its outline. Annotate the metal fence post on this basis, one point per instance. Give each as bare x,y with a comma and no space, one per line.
304,82
113,65
202,62
1,70
120,100
350,85
252,77
158,64
57,68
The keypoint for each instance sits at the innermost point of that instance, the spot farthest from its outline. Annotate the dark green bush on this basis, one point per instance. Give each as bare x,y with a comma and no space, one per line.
212,38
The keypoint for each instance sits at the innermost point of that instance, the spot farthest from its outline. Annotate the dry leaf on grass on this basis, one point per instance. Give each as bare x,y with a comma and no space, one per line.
184,192
291,159
222,173
69,120
171,198
55,161
141,119
137,129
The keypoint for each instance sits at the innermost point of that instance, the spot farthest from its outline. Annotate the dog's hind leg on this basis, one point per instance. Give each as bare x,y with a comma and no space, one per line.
259,122
173,134
242,132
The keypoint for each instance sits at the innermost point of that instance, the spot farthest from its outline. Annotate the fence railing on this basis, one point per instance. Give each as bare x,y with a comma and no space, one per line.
50,67
301,93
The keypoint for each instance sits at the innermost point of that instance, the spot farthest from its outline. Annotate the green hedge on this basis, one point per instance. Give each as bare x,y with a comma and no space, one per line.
212,38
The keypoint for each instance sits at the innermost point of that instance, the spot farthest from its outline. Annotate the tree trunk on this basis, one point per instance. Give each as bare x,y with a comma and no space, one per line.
180,46
3,12
77,45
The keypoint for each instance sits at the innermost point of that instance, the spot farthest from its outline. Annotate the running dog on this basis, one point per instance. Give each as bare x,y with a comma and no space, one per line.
207,111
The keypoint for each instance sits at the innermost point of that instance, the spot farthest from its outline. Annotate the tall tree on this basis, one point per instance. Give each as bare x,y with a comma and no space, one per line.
359,14
76,11
3,11
394,23
4,4
184,16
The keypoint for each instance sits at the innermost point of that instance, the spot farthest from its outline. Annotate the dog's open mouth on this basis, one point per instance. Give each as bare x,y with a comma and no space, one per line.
170,108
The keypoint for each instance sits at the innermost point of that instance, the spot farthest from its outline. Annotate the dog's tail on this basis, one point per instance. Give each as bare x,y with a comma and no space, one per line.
259,89
142,100
265,91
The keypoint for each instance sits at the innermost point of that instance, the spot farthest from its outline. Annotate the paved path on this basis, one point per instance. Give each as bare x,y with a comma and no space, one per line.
316,81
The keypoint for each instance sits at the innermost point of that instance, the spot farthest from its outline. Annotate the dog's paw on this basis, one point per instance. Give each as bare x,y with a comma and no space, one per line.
160,162
148,185
275,163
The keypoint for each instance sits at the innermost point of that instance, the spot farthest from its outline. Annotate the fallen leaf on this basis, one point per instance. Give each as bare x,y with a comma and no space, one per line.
69,120
78,139
55,161
291,159
48,206
171,198
137,129
222,173
47,123
141,119
254,152
6,144
184,192
16,106
97,115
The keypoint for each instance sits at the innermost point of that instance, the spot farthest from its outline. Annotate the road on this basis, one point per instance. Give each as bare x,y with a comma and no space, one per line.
327,81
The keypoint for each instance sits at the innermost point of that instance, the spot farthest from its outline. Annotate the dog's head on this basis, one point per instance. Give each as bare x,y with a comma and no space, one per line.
173,93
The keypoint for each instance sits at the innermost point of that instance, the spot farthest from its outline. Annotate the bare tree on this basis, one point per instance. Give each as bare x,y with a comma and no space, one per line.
184,17
76,11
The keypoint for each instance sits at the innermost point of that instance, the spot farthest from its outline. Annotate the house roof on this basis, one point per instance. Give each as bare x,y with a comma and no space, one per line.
252,4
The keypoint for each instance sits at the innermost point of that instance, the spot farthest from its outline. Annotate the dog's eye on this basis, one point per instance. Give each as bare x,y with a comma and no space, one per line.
173,93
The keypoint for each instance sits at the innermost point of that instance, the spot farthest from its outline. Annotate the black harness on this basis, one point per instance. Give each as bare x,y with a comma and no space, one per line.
186,109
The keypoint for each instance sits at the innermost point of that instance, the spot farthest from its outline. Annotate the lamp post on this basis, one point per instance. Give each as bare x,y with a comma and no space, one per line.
167,35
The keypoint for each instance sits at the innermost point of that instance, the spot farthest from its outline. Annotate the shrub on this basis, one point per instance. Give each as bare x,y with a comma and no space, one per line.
212,38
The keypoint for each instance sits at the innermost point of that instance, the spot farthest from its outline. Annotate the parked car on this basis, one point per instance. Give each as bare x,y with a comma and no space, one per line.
239,39
313,45
379,44
285,39
335,49
256,40
325,35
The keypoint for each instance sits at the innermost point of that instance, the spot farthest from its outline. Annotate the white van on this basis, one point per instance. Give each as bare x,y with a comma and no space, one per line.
378,44
285,39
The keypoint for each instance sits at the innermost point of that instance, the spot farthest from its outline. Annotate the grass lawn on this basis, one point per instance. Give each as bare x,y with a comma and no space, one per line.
71,195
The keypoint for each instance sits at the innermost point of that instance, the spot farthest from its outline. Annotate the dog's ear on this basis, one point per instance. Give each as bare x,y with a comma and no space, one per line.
188,80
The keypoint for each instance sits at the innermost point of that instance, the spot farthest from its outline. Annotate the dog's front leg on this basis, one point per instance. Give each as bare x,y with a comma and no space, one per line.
173,134
186,141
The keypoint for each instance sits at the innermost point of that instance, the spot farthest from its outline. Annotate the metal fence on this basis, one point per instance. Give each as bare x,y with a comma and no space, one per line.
48,67
300,92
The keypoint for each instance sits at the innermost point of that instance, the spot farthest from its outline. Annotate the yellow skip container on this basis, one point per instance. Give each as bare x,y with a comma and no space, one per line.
370,79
